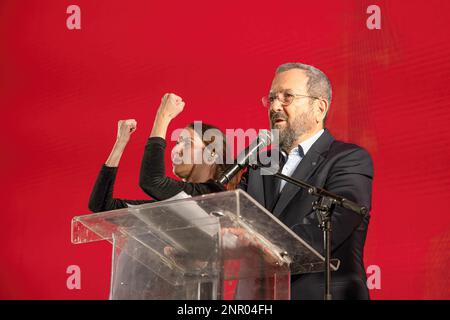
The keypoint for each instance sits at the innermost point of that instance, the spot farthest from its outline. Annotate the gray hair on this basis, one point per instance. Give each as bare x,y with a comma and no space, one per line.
318,84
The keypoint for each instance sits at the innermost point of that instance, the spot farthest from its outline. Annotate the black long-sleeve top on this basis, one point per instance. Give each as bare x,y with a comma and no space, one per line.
102,194
153,181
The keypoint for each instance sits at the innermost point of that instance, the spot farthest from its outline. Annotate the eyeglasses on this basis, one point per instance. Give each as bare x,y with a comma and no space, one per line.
284,97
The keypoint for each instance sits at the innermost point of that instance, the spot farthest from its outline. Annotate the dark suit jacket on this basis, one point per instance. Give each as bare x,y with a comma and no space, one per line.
342,168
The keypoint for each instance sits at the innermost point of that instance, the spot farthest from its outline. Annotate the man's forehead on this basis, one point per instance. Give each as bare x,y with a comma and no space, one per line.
295,79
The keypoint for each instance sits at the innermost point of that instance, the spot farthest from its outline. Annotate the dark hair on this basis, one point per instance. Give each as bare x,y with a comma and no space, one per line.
318,84
220,166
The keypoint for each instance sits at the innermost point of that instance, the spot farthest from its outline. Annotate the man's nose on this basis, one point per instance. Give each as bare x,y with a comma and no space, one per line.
276,106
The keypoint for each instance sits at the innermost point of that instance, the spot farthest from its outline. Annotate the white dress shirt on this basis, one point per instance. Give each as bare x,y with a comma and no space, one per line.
296,155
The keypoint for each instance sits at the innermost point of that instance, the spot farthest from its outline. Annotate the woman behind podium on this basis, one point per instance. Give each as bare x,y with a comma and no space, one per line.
195,178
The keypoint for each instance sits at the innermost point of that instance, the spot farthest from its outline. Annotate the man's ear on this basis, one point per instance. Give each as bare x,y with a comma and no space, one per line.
322,108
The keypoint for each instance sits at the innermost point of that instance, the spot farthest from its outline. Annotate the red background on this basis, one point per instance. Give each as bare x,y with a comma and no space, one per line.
62,92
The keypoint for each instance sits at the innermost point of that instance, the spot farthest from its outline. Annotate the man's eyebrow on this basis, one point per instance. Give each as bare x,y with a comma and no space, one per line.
281,90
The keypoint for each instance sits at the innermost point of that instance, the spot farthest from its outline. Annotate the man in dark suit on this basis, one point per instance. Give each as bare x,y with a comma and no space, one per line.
298,104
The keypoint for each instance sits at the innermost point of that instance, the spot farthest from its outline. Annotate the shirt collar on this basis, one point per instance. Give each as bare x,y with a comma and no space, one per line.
305,145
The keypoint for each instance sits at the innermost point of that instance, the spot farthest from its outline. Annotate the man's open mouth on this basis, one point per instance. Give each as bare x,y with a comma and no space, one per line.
279,120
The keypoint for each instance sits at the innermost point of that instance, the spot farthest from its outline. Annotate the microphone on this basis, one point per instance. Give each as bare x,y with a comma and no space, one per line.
243,159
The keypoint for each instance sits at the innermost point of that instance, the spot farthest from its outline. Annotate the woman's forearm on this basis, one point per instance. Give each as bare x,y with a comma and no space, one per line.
160,125
116,153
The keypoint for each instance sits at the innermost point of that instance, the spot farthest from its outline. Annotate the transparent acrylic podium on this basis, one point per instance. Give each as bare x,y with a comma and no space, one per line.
190,248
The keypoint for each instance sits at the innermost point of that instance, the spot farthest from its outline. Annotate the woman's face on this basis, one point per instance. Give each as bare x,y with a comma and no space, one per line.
187,153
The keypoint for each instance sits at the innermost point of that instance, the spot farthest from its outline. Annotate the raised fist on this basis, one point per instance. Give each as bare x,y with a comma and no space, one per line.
125,129
171,105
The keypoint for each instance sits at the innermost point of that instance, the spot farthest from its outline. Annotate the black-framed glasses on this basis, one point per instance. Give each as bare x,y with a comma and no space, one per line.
284,97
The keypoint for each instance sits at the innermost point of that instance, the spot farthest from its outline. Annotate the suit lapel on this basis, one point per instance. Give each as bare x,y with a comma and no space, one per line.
269,183
304,170
271,186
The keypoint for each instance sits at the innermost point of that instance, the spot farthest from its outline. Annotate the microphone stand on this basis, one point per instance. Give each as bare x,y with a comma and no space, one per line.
324,207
